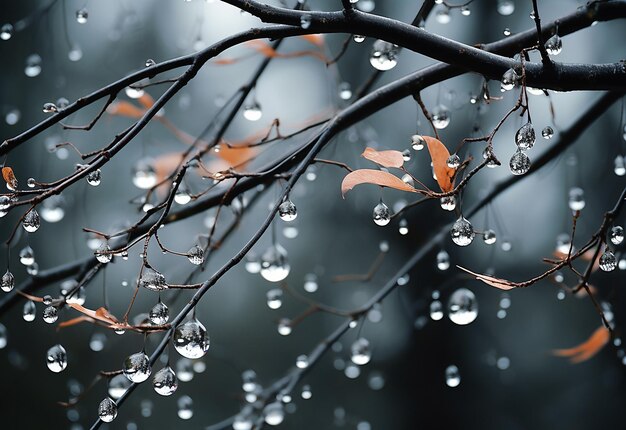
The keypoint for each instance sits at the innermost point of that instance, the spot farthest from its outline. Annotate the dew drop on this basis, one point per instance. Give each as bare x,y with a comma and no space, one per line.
453,377
525,137
274,414
196,255
284,327
118,386
150,62
287,210
275,298
547,132
462,232
616,235
107,410
182,197
252,111
576,199
361,352
302,361
144,174
310,283
33,66
489,237
465,11
185,408
384,55
453,161
253,263
519,163
191,339
27,256
619,166
443,260
436,310
29,311
50,108
554,45
608,262
165,382
184,369
103,253
82,15
462,307
152,280
31,221
8,282
137,367
56,358
249,380
6,31
159,314
75,53
275,264
358,38
506,7
94,178
345,92
50,314
509,80
403,227
417,142
440,117
381,214
448,203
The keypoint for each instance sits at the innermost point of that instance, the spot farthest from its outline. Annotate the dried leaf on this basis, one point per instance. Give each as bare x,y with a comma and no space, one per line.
9,178
101,314
315,39
75,321
588,348
146,100
127,109
439,155
377,177
384,158
29,297
501,284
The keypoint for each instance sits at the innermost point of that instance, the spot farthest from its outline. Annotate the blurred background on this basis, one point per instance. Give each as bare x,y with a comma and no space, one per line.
508,378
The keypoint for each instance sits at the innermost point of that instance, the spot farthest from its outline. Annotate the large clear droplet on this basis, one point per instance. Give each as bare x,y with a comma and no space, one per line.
50,314
56,358
525,137
107,410
608,262
31,221
152,280
103,253
287,210
489,237
417,142
29,311
617,235
144,174
462,232
252,111
137,367
274,413
274,264
8,281
547,132
462,307
94,178
196,255
27,256
159,314
509,80
453,377
381,214
576,199
361,352
384,55
82,15
519,163
554,45
448,203
191,339
440,117
165,382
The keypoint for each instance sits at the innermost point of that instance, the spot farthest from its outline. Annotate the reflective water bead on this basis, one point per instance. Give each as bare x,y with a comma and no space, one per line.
56,358
617,235
75,53
6,31
33,269
284,327
436,310
448,203
488,154
563,243
159,314
33,66
8,281
29,311
519,163
506,7
152,279
310,283
150,62
453,161
489,237
165,382
302,361
403,227
50,314
465,11
608,262
118,386
274,298
253,263
619,166
191,339
274,413
361,352
576,199
547,132
453,377
137,367
306,392
443,260
185,408
443,15
384,55
82,15
525,137
103,253
182,197
440,117
249,380
358,38
30,183
462,232
242,422
381,214
3,336
107,410
275,264
345,92
184,369
94,178
506,31
31,221
196,255
554,45
462,307
27,256
97,342
509,80
305,21
144,174
287,211
417,142
50,108
252,111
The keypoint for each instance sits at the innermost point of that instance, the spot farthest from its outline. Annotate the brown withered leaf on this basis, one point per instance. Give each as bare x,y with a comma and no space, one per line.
388,158
146,100
9,178
588,348
127,109
100,314
376,177
439,155
501,284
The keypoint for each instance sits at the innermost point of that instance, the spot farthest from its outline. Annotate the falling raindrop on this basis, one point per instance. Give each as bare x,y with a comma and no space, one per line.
384,55
547,132
576,199
519,163
165,382
509,80
56,358
137,367
361,352
94,178
107,410
6,31
440,117
33,66
144,174
50,314
462,307
159,314
489,237
462,232
152,279
82,15
525,137
554,45
252,111
608,262
381,214
191,339
274,264
453,377
287,210
196,255
8,281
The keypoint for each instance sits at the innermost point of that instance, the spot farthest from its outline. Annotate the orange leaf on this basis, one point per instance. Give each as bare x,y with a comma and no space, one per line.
75,321
124,108
10,179
439,155
377,177
588,348
146,100
384,158
501,284
29,297
315,39
101,314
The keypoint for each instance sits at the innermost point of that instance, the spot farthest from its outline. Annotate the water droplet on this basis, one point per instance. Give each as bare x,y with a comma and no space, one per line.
97,342
462,307
8,281
443,15
361,352
274,414
50,314
33,66
436,310
453,377
448,203
489,237
576,199
150,62
137,367
253,263
50,108
118,386
284,327
191,339
252,111
525,137
358,38
134,93
13,116
159,314
185,408
440,117
310,283
249,380
417,142
152,279
509,80
31,221
519,163
506,7
27,256
78,296
274,298
29,311
462,232
453,161
107,410
144,174
403,227
381,214
345,92
274,264
305,21
103,253
608,262
182,197
384,55
82,15
617,235
3,336
165,382
620,166
302,361
56,358
6,31
506,31
547,132
242,422
287,211
554,45
443,260
196,255
184,369
94,178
